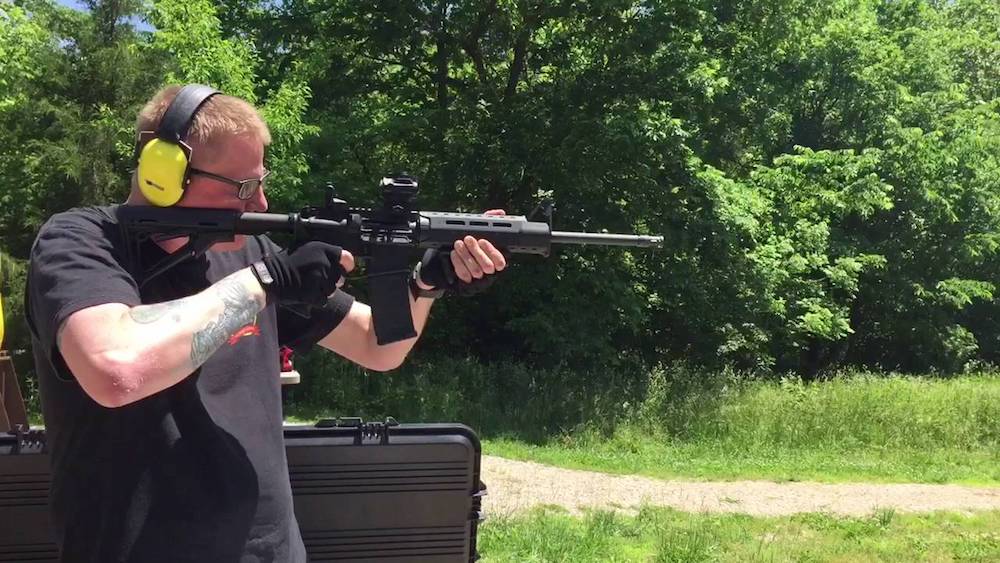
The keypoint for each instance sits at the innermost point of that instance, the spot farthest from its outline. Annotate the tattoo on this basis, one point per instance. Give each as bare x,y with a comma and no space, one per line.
239,310
145,314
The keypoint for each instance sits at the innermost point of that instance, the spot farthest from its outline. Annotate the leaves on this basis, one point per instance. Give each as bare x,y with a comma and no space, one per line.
827,176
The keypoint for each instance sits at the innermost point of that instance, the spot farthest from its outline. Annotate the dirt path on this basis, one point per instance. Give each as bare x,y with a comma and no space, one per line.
517,485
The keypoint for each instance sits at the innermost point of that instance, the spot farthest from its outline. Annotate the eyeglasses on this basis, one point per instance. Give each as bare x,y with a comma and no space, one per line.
245,188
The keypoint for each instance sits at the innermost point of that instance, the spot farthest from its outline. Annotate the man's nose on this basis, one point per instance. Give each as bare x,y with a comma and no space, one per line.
258,203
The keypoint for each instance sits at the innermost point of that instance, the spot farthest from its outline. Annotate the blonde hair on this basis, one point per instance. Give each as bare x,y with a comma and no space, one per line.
220,116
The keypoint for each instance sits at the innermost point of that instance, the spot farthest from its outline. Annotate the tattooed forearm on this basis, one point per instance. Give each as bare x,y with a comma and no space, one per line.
146,349
239,309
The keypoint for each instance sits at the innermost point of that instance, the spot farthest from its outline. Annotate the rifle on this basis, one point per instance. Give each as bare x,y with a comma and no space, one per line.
385,236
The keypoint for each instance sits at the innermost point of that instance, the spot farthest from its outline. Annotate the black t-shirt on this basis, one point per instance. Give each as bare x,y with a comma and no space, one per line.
196,472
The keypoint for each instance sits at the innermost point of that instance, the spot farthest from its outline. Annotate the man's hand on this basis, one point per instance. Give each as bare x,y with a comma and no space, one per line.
307,275
468,268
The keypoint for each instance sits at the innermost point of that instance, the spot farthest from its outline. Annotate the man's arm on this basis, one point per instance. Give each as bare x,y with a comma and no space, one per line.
121,354
354,338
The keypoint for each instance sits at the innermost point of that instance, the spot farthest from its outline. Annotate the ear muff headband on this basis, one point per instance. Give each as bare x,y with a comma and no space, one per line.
164,160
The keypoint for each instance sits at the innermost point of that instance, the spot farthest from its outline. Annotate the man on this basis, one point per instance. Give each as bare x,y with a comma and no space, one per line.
162,405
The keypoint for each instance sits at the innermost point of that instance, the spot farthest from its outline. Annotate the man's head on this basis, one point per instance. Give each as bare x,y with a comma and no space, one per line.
227,138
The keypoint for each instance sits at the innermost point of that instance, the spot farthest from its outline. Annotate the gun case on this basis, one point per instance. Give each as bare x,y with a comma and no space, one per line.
378,492
25,526
386,492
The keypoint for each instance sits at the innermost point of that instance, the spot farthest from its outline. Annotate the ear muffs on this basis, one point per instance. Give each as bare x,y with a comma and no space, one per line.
162,172
164,160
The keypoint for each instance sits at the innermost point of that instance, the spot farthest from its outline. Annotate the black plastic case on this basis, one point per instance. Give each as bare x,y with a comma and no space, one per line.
375,492
385,492
25,525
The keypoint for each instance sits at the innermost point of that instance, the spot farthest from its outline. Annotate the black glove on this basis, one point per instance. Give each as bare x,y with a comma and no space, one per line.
307,275
437,270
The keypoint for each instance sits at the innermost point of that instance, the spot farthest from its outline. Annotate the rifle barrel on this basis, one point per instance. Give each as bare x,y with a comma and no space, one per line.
604,239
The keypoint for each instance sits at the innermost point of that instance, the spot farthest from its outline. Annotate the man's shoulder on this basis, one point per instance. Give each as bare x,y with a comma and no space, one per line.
93,217
80,227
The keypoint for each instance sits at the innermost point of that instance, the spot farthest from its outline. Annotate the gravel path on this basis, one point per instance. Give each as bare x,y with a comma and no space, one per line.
517,485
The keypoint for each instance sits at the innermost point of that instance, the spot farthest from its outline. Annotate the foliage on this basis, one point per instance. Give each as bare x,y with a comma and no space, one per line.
826,174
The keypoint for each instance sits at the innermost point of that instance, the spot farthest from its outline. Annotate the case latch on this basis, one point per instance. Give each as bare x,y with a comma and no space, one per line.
365,430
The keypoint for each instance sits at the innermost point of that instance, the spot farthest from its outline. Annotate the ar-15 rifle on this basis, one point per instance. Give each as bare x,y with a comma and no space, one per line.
385,236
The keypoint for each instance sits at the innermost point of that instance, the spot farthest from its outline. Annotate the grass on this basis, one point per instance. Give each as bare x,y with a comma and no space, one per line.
855,427
627,454
663,535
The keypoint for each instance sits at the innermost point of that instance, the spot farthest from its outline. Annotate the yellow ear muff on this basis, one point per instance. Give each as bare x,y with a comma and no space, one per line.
161,173
164,160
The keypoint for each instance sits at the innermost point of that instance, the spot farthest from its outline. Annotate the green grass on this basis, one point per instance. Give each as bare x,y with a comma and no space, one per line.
857,428
664,535
696,425
627,453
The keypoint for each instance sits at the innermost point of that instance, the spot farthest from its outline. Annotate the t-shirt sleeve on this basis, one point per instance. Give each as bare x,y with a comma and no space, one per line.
74,264
301,333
